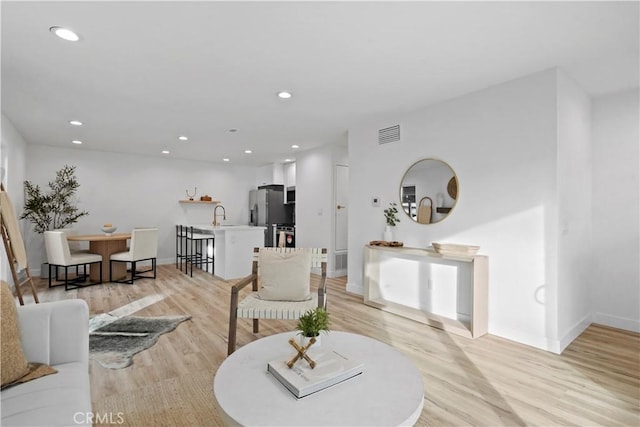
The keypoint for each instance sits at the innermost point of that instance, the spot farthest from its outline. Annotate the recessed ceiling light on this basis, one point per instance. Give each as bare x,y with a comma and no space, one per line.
183,138
284,94
233,130
295,146
165,151
225,160
75,141
65,33
248,151
288,160
75,122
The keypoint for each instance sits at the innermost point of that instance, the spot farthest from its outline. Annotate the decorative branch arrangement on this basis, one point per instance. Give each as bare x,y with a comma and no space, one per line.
55,209
390,214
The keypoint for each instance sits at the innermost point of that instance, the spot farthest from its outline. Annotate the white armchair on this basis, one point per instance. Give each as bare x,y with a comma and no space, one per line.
276,306
55,333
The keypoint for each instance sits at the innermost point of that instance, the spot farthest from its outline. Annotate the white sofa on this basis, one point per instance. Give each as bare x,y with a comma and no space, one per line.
55,333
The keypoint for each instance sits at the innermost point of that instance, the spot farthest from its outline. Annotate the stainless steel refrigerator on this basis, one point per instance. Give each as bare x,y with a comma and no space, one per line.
267,209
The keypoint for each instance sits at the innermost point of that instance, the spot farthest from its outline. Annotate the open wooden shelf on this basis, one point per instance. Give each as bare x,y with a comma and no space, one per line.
206,202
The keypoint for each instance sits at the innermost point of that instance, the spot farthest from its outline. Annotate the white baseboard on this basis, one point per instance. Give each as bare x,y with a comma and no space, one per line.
337,273
575,332
627,324
540,342
355,288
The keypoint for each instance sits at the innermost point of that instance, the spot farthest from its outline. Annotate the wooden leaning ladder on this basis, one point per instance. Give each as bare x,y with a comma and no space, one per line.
8,246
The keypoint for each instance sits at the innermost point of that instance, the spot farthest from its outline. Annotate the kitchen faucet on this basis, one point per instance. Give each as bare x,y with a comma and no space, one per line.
215,215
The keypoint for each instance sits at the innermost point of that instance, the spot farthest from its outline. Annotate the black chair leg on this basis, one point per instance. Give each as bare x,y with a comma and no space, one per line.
133,271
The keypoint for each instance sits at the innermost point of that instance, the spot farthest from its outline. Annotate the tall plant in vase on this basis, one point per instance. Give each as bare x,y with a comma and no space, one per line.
56,208
391,220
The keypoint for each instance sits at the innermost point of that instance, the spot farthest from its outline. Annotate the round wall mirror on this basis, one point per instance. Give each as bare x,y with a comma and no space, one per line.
428,191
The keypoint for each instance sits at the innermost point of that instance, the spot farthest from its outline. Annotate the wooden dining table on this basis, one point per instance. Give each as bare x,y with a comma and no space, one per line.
105,245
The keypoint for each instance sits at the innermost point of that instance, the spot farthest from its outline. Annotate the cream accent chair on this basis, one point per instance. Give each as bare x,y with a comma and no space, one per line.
252,307
143,247
59,256
74,246
57,334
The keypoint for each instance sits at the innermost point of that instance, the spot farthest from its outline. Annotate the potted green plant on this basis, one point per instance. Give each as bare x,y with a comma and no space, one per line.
54,209
312,323
391,219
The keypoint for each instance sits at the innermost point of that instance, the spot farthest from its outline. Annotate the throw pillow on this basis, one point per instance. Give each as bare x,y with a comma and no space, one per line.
284,276
15,367
14,363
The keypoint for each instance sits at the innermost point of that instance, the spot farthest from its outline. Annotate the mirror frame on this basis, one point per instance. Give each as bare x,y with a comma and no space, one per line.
451,189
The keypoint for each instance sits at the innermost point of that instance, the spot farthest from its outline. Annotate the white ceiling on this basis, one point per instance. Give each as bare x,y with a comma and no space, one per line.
146,72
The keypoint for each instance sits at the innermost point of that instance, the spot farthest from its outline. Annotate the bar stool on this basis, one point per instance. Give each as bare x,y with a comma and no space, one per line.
193,248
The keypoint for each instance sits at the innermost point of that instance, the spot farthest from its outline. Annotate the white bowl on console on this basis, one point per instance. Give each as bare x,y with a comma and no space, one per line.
108,230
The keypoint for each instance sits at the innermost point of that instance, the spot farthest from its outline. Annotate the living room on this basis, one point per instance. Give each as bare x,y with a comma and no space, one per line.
545,170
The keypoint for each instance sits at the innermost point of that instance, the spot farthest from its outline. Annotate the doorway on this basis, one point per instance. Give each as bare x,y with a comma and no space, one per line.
341,217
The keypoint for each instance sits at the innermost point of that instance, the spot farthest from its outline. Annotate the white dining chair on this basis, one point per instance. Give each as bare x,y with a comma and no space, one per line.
74,246
59,256
143,247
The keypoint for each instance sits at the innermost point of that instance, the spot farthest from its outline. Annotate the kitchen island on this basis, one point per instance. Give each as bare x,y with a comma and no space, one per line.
233,248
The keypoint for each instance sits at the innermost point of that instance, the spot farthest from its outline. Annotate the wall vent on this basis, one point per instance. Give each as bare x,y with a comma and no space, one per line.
340,261
390,134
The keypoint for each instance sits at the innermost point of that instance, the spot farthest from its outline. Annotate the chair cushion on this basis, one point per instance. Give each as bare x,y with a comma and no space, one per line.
122,256
253,307
284,276
14,363
84,258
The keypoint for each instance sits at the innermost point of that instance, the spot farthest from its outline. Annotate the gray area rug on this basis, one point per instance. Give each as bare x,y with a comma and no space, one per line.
114,344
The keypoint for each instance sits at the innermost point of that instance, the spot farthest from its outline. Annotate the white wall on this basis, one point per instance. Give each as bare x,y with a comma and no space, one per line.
501,142
615,284
130,191
315,205
12,174
574,211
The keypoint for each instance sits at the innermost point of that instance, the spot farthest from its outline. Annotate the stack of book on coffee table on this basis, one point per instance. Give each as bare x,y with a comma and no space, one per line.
331,368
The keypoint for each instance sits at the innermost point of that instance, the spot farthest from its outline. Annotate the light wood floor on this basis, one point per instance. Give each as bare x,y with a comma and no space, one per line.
485,382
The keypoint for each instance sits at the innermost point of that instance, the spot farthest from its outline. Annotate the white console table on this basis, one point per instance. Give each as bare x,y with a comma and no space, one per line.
472,326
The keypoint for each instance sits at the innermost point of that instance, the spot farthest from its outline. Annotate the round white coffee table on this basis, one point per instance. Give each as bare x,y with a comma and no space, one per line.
389,392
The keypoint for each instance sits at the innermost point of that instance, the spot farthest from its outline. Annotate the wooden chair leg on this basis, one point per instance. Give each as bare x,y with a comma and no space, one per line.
256,326
233,322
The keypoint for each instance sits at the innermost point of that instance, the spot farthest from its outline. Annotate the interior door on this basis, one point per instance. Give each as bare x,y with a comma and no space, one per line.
341,209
